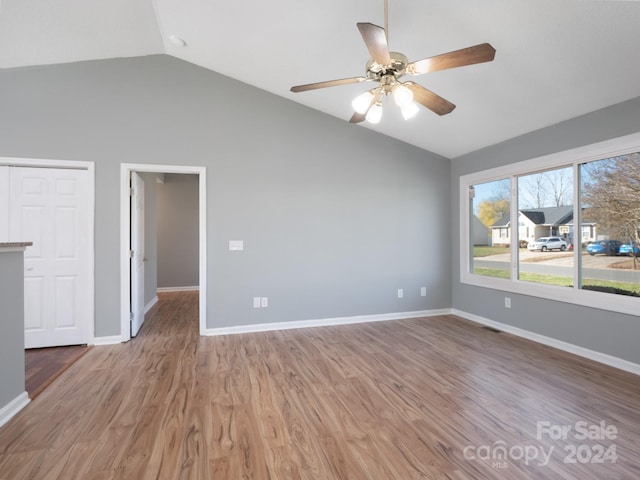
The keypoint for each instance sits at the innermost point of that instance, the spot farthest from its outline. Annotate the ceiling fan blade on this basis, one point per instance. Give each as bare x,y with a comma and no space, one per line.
329,83
433,102
458,58
357,117
375,39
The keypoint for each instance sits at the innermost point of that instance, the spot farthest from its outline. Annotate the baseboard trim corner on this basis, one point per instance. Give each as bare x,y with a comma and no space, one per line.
13,407
178,289
112,340
150,305
323,322
594,355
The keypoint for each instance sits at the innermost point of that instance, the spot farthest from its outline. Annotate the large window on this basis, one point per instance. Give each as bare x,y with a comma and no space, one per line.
491,206
545,234
610,201
565,226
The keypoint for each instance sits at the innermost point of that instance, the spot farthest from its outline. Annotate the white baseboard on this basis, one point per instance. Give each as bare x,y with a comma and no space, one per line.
324,322
150,305
112,340
13,407
552,342
178,289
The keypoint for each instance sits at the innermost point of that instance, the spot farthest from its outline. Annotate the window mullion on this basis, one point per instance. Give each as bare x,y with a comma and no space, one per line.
515,227
577,226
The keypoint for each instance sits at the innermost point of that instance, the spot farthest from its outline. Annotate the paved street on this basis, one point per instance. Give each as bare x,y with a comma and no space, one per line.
561,264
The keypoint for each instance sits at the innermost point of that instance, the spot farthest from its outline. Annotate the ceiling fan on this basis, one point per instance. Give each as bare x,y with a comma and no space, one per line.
387,68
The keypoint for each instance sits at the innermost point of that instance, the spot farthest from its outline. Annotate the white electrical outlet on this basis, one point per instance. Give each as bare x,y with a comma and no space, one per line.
256,302
507,302
423,291
400,293
264,302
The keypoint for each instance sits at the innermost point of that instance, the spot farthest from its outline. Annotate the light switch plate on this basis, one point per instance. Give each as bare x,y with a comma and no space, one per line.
236,245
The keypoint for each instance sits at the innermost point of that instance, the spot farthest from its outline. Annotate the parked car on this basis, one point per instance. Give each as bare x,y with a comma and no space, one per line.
548,243
604,247
626,249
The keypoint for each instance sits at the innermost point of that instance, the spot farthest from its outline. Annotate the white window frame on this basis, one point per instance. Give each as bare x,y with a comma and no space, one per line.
574,157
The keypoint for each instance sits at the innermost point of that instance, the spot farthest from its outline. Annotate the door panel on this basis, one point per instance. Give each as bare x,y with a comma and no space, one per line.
49,208
65,299
33,308
138,259
66,227
4,204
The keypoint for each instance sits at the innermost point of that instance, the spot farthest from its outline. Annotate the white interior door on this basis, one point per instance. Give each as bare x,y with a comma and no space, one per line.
49,207
4,204
138,258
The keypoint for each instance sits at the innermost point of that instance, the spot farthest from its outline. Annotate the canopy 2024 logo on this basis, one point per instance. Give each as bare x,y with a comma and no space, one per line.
590,443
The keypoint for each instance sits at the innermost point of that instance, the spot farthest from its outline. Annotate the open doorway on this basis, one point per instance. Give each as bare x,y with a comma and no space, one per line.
134,300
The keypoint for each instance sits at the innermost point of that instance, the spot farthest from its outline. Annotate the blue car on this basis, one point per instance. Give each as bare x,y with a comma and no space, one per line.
626,249
604,247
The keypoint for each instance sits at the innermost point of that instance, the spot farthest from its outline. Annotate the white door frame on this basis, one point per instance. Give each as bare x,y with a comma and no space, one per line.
125,235
91,191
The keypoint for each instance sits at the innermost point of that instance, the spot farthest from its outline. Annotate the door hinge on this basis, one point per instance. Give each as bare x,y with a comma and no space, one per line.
131,192
130,253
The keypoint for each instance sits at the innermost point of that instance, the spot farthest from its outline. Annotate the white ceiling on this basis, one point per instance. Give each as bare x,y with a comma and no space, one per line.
555,60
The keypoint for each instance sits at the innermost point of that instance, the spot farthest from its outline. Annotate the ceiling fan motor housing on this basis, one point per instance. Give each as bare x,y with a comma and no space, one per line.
397,67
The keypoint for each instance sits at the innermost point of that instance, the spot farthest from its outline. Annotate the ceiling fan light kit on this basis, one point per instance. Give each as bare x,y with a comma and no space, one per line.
409,111
362,102
402,95
374,115
387,68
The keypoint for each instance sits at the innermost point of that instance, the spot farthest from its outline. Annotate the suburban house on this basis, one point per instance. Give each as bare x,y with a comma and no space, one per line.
267,285
481,234
542,222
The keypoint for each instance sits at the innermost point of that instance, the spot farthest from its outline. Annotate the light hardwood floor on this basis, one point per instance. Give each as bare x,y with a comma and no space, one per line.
408,399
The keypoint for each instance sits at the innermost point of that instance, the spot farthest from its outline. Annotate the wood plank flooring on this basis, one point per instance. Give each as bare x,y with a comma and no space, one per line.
44,365
427,398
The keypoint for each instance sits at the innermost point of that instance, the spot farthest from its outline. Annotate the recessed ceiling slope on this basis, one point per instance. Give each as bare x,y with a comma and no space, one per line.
41,32
555,61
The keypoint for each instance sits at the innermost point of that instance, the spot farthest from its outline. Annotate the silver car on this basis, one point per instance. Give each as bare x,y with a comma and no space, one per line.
548,243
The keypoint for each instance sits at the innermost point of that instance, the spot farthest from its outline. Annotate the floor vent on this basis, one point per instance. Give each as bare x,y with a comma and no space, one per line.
491,329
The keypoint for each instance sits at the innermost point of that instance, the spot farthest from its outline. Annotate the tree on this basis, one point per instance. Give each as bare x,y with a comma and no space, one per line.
611,195
553,188
492,210
560,186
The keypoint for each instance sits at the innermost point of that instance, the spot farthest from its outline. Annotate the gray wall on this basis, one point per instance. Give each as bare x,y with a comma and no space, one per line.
603,331
334,217
11,326
178,257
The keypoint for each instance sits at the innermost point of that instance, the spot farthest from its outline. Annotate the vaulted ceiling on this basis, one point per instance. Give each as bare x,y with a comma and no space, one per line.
555,59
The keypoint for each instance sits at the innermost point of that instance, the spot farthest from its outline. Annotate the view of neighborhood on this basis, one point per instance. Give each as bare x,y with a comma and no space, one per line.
602,233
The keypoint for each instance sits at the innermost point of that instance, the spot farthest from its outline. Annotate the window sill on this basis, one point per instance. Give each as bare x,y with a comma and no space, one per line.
585,298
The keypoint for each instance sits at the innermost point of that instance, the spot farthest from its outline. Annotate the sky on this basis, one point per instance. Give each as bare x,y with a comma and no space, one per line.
559,179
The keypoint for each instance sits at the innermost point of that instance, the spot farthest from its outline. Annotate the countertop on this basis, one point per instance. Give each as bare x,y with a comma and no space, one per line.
15,244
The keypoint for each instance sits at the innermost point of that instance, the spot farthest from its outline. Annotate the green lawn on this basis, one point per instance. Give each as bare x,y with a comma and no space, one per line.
492,272
484,251
630,288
